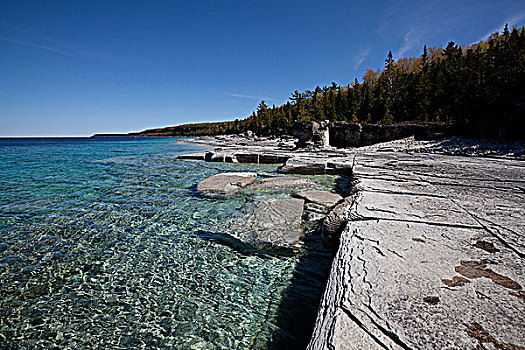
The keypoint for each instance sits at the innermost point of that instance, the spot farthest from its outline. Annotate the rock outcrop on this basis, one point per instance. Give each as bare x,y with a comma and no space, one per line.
226,182
344,134
432,256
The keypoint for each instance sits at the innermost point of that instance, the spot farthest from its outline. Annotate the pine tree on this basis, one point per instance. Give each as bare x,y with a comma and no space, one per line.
389,61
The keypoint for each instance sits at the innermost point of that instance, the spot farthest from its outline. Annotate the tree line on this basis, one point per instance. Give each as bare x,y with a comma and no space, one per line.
464,85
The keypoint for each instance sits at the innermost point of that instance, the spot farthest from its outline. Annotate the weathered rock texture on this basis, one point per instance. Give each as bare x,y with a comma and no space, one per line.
325,198
311,134
283,182
193,156
276,222
318,165
344,134
432,256
227,182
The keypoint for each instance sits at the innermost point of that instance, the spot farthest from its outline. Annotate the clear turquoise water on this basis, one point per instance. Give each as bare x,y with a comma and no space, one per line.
105,243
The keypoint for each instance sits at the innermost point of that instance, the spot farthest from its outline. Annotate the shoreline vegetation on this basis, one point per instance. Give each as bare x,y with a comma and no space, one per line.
477,90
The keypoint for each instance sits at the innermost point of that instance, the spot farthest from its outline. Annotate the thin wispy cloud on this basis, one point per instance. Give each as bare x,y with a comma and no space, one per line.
241,96
250,97
361,57
510,21
37,46
409,42
12,33
410,27
23,30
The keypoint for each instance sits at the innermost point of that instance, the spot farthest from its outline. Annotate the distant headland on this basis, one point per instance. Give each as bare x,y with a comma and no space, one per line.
478,88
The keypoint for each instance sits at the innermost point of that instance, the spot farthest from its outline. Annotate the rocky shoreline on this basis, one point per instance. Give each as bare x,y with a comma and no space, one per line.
431,247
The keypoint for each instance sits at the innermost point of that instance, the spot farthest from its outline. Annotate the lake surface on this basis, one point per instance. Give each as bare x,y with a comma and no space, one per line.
105,243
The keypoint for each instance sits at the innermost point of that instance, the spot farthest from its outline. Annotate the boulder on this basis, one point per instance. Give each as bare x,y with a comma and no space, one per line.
227,182
335,222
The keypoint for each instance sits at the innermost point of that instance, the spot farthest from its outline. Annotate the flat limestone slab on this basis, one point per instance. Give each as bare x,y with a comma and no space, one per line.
276,221
432,256
325,198
320,165
283,182
227,182
193,156
404,287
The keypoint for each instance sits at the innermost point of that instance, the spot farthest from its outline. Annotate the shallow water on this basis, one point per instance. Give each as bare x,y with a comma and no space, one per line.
105,243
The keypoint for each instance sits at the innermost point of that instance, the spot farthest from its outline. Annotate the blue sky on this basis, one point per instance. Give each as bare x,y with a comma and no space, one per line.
74,68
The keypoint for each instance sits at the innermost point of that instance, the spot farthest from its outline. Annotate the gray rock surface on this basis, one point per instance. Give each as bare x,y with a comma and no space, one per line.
325,198
275,221
227,182
283,182
307,166
335,222
318,165
193,156
432,256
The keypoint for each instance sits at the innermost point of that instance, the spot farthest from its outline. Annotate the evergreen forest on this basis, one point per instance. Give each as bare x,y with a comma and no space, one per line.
461,85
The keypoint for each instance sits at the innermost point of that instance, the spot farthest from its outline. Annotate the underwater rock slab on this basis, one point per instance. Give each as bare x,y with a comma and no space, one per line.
283,182
275,221
227,182
431,256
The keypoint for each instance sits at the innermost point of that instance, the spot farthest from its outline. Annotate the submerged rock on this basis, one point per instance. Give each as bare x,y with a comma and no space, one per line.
283,182
227,182
275,221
